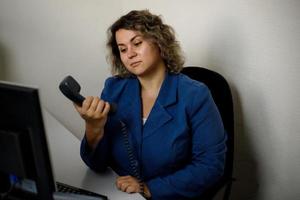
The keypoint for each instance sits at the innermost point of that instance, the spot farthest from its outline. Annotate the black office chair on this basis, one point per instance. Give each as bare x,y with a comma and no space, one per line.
221,94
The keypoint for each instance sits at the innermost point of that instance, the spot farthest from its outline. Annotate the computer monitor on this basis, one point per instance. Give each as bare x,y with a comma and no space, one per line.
23,145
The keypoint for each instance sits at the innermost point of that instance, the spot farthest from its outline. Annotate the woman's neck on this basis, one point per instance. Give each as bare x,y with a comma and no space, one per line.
150,87
151,84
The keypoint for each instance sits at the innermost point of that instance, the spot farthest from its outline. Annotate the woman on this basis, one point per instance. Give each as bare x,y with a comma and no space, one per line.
166,139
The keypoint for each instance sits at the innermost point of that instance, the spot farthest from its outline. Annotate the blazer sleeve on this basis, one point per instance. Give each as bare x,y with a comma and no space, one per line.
98,158
208,153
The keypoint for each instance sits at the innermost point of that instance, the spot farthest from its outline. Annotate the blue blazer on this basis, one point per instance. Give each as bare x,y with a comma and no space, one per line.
180,150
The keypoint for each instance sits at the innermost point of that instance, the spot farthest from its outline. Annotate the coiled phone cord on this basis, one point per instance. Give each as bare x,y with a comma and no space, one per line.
133,162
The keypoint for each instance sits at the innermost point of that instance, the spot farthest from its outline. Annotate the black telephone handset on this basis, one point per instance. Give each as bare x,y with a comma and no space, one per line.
71,88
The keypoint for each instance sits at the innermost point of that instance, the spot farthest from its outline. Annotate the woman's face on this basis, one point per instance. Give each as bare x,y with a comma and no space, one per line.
139,55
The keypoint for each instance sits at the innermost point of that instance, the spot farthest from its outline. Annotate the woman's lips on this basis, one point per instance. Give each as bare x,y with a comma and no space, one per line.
135,64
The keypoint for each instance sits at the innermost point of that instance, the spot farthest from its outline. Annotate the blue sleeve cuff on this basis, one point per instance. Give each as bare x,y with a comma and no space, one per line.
97,158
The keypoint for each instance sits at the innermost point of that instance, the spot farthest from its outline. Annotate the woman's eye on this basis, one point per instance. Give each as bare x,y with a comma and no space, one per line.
122,50
137,43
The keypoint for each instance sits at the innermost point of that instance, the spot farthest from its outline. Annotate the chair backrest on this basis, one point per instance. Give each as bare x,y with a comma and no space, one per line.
221,94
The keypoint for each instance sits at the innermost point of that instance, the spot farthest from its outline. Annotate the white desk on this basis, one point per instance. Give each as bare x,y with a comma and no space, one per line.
68,167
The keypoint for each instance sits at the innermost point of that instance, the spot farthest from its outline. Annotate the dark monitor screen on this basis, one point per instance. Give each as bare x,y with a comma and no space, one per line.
23,145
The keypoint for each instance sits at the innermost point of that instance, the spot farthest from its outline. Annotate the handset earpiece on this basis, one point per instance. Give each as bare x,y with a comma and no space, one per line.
71,88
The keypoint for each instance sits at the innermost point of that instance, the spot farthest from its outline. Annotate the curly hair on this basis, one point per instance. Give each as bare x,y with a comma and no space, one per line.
152,27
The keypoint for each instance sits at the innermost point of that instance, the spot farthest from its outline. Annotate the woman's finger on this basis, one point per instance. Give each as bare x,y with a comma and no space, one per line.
86,103
131,189
106,108
94,104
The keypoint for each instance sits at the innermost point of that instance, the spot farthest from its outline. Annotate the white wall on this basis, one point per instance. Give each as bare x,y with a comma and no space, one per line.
254,44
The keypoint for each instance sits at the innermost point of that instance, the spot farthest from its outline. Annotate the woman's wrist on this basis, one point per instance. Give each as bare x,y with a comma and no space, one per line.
93,135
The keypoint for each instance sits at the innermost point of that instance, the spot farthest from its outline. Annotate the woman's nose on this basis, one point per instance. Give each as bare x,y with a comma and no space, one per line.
131,53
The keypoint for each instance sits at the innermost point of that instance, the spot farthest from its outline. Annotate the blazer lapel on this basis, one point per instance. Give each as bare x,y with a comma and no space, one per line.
159,114
131,111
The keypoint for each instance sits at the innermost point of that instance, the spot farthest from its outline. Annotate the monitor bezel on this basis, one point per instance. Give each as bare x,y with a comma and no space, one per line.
26,99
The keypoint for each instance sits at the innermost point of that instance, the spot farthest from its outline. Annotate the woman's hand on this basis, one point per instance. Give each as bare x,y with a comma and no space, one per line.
130,184
94,111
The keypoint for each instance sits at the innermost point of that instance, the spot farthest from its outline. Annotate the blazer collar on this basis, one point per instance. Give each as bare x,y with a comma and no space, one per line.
167,94
131,103
168,91
132,113
159,114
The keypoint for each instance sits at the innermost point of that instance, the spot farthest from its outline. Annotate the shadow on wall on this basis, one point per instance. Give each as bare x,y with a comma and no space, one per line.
225,56
3,63
246,165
